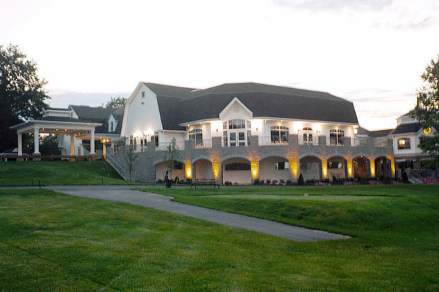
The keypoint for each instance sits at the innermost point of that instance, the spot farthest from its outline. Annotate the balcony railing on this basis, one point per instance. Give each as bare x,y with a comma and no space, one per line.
207,143
164,145
315,141
266,140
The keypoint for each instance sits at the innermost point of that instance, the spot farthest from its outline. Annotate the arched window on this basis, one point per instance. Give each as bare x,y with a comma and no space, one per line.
336,137
279,134
236,132
197,136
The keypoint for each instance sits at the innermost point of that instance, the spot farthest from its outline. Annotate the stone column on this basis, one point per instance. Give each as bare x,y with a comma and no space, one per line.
92,142
36,141
20,144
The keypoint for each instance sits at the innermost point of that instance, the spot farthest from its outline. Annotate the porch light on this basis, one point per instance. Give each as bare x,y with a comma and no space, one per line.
355,131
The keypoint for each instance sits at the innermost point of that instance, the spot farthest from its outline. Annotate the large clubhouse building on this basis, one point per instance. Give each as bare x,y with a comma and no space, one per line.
234,133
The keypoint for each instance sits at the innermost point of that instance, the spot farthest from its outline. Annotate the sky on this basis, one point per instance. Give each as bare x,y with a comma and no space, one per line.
371,52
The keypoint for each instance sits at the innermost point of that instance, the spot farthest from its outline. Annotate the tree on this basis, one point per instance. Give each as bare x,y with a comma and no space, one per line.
116,102
131,159
22,93
427,109
172,156
48,144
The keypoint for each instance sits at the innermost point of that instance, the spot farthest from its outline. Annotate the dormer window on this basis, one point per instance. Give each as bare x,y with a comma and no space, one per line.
112,126
236,132
404,143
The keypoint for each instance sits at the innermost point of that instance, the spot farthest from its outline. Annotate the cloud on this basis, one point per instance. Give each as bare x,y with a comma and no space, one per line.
335,4
62,99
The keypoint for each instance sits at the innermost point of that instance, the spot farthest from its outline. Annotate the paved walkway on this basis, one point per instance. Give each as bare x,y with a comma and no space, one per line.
164,203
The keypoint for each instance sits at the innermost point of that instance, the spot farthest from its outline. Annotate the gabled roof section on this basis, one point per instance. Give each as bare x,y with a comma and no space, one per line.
168,90
379,133
180,105
259,87
87,112
235,100
407,128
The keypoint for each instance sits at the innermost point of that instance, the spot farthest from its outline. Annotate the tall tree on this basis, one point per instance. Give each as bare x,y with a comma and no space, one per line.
22,93
172,155
427,109
116,102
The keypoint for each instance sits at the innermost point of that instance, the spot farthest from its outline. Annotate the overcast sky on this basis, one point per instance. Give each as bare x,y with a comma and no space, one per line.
371,52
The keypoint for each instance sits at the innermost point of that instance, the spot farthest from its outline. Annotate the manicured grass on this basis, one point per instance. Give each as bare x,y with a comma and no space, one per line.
27,173
53,242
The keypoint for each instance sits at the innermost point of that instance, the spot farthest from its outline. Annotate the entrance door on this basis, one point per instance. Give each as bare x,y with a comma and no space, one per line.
307,136
237,137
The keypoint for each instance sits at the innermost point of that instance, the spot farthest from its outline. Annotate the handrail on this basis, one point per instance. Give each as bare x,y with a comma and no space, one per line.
116,166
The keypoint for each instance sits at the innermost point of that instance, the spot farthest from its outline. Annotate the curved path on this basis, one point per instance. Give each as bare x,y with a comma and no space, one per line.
164,203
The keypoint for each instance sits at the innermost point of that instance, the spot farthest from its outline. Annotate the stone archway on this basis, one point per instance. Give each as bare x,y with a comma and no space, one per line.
236,170
274,168
311,167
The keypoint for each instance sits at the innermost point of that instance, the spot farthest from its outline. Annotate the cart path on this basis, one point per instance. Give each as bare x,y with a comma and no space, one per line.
164,203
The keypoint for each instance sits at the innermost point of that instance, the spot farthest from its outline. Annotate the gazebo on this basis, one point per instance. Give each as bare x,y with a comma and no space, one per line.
56,125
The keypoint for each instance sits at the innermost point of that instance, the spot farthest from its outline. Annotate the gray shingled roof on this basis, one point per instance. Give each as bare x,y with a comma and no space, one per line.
86,112
380,133
180,105
407,128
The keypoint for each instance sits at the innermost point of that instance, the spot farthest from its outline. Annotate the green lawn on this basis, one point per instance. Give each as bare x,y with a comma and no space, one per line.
27,173
54,242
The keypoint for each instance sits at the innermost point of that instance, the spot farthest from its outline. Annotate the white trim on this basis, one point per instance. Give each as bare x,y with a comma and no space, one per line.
230,105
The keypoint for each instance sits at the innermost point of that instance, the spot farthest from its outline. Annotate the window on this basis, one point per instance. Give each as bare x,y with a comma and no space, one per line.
237,166
155,139
282,165
279,134
178,165
237,124
404,143
197,136
236,132
336,137
335,165
143,94
111,126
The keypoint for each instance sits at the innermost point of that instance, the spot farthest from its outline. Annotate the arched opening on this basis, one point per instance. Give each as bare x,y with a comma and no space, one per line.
336,168
310,168
383,167
274,168
361,167
236,170
203,169
178,171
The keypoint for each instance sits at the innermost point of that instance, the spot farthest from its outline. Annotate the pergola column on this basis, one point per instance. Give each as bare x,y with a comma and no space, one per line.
104,149
72,144
92,141
37,141
20,144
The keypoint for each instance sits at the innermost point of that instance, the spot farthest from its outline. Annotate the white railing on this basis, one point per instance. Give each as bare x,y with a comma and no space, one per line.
207,143
377,142
266,140
315,141
164,145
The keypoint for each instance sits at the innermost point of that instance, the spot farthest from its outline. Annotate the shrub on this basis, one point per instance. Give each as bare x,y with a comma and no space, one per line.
281,181
262,181
274,182
257,182
268,181
289,182
159,181
228,183
300,180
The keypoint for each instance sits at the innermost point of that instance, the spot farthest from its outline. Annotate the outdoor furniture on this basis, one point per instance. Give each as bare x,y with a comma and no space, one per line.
204,182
